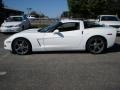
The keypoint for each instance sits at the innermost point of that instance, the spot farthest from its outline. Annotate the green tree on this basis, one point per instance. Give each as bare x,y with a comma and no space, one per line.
65,14
93,8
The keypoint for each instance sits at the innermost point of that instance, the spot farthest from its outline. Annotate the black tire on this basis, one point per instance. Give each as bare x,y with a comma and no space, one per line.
96,45
21,46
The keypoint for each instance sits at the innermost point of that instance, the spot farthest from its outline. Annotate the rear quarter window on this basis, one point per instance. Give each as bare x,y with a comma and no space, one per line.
88,24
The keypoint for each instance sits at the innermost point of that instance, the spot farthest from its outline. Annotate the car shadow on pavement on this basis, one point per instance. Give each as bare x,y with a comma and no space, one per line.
118,35
61,52
115,48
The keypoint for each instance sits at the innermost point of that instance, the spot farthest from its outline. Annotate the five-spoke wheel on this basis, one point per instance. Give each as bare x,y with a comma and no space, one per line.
21,46
96,45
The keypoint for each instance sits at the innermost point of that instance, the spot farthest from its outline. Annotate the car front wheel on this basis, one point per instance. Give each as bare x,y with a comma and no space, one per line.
21,46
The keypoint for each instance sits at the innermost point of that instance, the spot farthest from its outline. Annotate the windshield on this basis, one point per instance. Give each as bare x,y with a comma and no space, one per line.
50,28
13,19
109,18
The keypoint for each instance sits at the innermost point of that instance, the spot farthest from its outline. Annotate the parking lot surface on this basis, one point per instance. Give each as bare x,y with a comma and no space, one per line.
60,70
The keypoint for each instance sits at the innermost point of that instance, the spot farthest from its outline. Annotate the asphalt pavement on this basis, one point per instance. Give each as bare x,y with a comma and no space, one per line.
60,70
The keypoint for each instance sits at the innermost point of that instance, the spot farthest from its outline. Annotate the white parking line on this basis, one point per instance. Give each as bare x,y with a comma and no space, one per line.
3,73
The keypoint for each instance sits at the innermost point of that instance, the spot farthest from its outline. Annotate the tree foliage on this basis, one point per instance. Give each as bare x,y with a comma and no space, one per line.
93,8
65,14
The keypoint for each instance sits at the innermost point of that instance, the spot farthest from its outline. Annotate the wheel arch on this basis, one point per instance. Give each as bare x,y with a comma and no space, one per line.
106,43
22,38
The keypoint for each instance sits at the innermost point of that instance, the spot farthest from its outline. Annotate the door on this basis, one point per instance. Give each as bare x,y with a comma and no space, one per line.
66,36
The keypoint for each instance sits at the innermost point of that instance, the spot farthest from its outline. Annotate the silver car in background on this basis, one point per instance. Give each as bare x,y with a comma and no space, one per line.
15,24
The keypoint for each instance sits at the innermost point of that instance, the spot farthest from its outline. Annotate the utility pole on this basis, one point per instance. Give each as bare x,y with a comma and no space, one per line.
29,10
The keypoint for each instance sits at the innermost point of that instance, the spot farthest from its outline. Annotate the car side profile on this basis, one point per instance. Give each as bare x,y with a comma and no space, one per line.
65,35
15,24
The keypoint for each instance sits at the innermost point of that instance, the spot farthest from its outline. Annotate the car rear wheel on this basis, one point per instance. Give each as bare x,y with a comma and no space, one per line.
96,45
21,46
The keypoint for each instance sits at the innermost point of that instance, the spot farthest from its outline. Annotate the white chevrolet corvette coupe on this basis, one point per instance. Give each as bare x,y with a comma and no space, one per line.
66,35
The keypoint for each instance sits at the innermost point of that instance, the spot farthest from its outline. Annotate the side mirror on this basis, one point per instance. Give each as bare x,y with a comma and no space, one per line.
56,32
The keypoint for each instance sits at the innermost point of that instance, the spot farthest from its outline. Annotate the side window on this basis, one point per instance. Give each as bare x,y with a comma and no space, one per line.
69,26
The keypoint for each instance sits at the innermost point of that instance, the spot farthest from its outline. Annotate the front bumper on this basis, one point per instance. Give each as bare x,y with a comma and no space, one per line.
7,45
13,29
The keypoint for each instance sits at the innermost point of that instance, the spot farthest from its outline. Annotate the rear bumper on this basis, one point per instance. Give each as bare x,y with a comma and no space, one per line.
111,40
118,31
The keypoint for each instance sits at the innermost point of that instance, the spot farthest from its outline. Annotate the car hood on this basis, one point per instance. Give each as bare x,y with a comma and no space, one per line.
35,30
25,33
110,22
11,23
